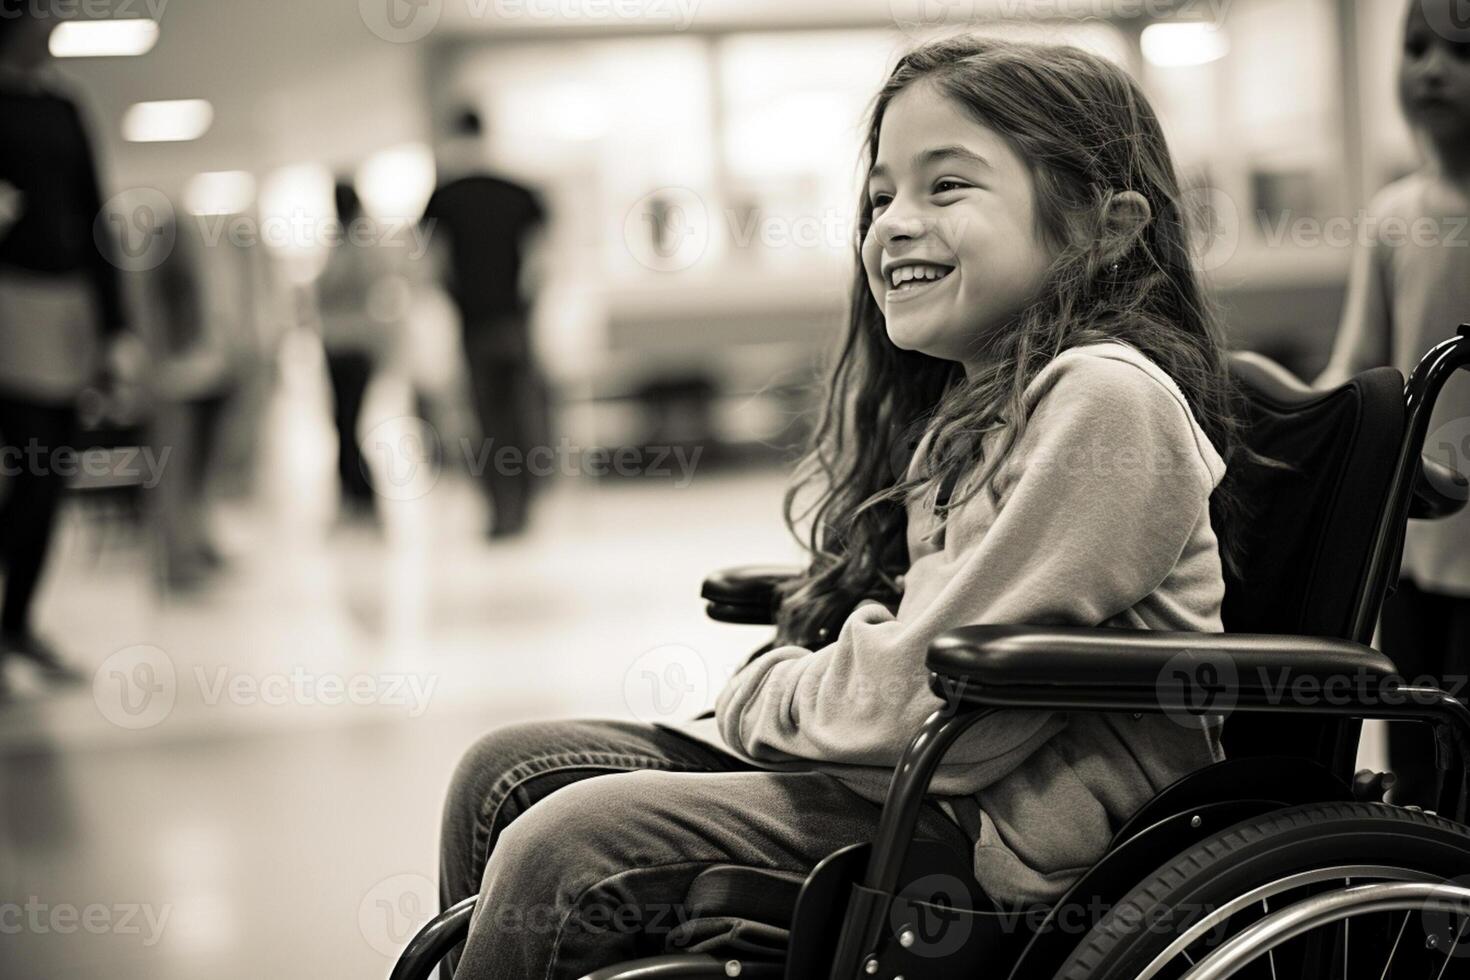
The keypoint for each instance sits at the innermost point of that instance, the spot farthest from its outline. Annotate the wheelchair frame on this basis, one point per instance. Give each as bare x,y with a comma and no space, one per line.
979,670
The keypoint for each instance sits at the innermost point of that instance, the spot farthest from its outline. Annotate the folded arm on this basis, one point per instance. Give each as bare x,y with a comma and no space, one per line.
1099,500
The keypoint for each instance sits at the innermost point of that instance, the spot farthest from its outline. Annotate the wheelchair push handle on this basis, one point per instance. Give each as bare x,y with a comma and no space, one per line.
1420,394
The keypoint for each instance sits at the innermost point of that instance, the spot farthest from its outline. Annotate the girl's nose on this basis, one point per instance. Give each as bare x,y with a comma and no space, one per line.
1431,67
893,225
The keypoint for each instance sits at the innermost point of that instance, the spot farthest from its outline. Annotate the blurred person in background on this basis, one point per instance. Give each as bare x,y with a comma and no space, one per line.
356,326
59,300
1407,292
191,381
485,228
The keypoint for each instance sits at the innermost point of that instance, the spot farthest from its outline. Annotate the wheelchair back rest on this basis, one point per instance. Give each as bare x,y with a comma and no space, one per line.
1309,524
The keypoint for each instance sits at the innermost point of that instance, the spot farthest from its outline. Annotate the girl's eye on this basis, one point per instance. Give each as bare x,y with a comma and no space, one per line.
880,200
947,185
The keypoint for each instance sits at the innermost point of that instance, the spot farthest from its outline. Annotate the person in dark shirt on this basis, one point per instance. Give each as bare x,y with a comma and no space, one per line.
482,224
59,299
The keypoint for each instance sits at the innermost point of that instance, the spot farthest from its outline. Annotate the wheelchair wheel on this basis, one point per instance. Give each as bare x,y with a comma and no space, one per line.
1330,890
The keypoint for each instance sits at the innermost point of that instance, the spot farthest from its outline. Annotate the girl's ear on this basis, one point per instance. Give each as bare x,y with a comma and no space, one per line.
1125,215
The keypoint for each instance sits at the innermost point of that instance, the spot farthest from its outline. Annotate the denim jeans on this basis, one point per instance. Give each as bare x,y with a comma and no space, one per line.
582,837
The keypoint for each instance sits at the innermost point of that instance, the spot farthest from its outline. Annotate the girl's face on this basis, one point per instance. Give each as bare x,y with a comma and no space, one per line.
1434,76
954,248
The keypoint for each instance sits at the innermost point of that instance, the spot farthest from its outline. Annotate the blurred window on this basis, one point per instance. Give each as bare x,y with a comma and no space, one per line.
1254,122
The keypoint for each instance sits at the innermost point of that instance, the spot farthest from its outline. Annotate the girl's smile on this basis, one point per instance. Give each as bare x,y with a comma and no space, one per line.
910,278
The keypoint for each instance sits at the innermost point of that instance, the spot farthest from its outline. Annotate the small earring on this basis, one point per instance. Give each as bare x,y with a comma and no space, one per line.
1113,269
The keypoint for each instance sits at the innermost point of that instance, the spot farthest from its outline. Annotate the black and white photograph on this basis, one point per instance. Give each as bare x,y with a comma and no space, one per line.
692,489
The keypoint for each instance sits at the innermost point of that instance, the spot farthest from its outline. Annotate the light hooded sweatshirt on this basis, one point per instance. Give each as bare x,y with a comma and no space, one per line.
1103,519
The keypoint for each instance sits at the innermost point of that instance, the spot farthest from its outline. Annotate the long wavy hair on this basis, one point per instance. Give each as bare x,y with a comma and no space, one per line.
1086,133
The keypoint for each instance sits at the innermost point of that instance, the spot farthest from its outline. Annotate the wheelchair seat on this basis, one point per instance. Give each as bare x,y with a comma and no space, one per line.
737,910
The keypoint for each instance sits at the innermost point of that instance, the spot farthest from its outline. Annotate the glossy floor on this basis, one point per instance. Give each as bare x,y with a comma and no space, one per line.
250,785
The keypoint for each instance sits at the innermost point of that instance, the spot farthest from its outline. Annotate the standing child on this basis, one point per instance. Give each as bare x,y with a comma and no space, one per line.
1409,289
1023,291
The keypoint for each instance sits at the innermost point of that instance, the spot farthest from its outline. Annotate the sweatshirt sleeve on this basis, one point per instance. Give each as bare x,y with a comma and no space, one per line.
1098,501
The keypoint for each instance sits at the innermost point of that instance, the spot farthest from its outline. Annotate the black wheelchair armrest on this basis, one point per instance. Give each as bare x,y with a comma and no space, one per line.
1439,491
746,594
1144,670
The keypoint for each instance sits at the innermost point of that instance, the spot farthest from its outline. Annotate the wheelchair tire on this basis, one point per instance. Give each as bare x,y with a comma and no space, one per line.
1248,858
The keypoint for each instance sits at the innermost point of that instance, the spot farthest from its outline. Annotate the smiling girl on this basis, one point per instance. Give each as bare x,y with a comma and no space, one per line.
1025,301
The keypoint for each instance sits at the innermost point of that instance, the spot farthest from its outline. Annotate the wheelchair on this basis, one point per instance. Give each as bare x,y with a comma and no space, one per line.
1280,861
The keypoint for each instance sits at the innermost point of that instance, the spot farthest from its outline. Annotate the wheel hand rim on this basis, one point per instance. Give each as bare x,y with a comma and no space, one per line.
1270,889
1319,910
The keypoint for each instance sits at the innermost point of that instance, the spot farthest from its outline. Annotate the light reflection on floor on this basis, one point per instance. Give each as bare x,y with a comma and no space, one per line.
266,824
